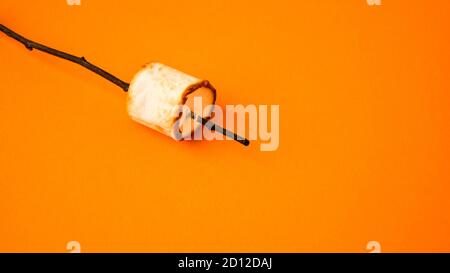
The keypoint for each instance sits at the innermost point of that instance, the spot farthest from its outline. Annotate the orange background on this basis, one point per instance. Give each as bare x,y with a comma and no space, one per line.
364,135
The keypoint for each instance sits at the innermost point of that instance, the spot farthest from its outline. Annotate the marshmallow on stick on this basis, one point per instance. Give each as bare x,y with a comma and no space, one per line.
155,95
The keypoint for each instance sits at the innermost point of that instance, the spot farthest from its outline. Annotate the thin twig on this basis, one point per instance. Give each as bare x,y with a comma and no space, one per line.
214,127
30,45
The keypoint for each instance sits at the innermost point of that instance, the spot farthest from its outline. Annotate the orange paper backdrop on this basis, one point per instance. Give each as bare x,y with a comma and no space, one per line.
364,128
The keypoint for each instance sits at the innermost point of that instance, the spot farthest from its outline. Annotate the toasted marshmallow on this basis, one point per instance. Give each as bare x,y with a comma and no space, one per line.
156,94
